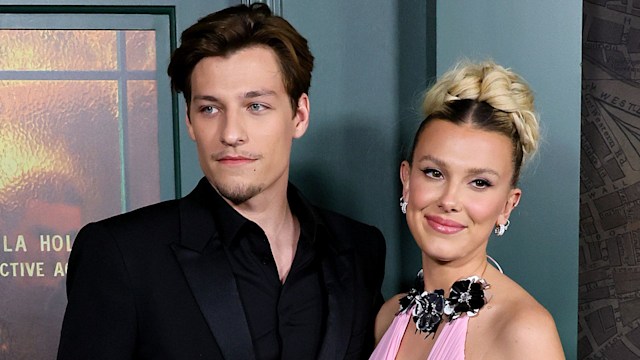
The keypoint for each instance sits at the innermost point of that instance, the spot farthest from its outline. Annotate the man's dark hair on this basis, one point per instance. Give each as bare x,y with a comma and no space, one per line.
227,31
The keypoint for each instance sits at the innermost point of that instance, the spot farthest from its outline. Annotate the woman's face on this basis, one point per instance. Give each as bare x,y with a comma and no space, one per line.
458,188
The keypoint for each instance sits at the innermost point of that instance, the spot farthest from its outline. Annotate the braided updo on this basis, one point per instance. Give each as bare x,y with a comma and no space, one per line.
488,97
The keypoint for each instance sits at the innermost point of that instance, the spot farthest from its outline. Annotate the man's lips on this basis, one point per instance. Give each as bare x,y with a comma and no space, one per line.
444,226
234,159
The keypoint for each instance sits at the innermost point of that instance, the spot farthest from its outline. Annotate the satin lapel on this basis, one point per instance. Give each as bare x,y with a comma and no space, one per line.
339,282
208,273
214,288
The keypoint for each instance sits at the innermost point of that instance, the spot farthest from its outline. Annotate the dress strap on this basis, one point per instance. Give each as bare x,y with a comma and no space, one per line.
389,345
451,342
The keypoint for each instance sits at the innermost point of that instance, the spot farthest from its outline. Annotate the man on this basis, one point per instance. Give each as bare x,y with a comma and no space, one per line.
243,267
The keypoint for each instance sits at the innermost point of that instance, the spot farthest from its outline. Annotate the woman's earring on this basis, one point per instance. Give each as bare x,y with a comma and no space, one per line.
500,229
403,205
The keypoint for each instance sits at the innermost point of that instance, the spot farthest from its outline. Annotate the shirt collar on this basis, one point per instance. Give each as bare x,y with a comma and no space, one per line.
229,222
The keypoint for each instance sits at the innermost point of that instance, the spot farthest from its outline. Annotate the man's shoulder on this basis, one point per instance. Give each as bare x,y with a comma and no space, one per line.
157,212
366,242
340,221
330,218
350,232
147,221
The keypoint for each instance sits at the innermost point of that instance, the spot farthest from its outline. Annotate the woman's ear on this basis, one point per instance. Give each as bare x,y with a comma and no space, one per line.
405,172
512,202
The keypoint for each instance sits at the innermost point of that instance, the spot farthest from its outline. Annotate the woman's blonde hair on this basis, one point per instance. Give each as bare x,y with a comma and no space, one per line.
489,97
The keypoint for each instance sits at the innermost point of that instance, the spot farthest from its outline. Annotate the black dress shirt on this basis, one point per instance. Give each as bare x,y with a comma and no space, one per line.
286,320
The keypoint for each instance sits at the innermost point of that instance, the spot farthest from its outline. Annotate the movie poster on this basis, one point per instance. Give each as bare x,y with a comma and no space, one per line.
78,143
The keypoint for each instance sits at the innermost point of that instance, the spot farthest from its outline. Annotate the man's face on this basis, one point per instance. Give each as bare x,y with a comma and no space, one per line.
241,119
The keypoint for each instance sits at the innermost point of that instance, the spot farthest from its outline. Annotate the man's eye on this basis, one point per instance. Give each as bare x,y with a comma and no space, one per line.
208,110
257,107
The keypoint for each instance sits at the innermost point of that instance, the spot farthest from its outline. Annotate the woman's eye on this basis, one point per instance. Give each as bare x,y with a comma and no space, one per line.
481,183
432,173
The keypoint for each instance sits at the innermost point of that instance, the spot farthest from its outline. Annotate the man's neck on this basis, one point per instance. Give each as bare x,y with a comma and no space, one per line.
271,211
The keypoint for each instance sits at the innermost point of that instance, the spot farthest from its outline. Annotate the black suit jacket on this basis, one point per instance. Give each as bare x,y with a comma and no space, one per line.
155,284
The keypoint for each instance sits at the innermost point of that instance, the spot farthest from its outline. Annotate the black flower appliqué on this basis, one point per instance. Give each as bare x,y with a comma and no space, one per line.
466,296
429,308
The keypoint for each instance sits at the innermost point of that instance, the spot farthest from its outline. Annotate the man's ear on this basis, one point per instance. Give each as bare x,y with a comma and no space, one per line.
301,116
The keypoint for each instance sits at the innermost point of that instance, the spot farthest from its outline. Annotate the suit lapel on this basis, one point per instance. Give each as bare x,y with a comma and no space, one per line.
338,271
339,277
208,273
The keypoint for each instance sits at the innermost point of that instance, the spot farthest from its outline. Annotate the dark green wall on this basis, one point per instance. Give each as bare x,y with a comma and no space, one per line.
348,161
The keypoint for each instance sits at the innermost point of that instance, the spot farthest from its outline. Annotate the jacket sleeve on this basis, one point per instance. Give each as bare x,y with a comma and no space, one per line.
100,319
379,270
376,244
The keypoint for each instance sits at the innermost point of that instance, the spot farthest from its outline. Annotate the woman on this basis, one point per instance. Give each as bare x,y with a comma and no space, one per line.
459,186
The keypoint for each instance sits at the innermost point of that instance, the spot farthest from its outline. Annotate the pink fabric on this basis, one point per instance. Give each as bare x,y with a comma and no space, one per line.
449,344
451,341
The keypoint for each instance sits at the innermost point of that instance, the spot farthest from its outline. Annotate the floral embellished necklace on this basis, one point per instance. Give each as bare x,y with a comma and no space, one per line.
429,308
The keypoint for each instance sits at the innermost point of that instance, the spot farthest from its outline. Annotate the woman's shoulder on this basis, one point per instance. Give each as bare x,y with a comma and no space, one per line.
514,302
521,326
386,315
530,332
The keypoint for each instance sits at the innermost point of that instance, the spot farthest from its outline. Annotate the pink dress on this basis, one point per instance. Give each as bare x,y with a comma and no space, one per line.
449,345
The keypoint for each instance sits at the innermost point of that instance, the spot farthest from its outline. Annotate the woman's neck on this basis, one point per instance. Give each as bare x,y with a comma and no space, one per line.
441,275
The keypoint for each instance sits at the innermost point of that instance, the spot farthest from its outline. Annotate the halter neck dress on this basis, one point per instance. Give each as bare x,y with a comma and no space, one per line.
448,346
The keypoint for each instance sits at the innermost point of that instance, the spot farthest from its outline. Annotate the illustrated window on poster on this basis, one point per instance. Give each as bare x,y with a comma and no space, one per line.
81,139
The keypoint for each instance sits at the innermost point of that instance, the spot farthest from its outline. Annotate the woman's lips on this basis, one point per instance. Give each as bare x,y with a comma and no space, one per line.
443,225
